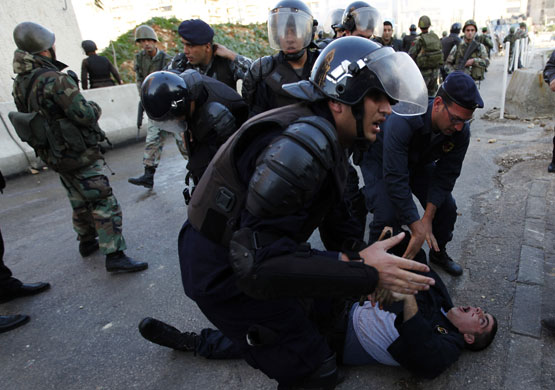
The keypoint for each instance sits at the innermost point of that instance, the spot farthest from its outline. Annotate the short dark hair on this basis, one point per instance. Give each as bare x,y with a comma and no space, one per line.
483,340
387,23
443,95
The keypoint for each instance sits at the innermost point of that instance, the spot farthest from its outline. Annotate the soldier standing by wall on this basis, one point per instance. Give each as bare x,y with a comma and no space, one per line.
469,56
426,51
511,38
485,40
151,59
67,141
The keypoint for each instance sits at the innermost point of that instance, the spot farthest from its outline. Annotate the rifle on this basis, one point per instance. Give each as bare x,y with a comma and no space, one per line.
140,112
469,50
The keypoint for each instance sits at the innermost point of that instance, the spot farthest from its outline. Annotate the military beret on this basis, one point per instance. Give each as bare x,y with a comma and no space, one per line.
196,31
462,90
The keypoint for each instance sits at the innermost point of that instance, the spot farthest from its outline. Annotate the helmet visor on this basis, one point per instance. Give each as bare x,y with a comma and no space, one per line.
333,21
368,21
289,29
401,80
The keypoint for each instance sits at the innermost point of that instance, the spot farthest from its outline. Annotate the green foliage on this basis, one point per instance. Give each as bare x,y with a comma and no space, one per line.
249,40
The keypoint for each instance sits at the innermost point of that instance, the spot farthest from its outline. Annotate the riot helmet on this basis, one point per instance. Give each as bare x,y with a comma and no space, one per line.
512,30
290,28
166,99
333,21
88,46
412,28
360,16
456,28
351,67
424,22
145,32
33,38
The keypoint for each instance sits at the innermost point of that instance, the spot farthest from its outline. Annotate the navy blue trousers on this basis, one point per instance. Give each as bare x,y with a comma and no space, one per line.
385,212
289,348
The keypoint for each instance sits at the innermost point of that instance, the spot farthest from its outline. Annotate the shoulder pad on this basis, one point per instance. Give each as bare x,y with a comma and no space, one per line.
291,170
214,119
262,67
193,79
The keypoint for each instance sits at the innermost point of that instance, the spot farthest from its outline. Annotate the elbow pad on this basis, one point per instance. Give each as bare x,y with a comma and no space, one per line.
215,120
292,275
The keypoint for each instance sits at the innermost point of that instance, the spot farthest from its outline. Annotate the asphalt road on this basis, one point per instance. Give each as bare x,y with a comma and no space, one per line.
83,332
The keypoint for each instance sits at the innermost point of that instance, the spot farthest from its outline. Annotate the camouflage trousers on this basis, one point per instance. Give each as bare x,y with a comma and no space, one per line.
431,79
155,138
96,211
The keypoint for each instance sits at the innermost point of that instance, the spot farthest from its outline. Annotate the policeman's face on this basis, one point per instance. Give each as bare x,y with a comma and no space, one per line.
290,43
148,45
197,54
339,32
376,108
469,33
449,119
470,320
387,32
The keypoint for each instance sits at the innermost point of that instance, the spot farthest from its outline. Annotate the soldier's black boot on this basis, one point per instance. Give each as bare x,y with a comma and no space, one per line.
442,259
549,324
160,333
120,262
87,248
146,180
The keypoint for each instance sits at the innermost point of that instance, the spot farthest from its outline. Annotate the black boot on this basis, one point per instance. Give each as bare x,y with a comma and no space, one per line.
442,259
120,262
549,324
23,290
12,321
551,167
87,248
146,180
160,333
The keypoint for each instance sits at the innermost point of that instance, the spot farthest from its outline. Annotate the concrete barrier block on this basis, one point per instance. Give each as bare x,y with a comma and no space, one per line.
528,96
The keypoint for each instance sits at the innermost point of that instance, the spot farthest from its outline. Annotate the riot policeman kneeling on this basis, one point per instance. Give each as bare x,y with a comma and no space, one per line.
243,252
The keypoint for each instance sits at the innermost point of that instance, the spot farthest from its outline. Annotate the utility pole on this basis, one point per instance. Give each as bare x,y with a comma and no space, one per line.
474,11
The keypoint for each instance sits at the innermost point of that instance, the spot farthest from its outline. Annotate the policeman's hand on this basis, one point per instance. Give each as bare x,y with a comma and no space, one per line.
223,51
552,85
469,62
430,238
418,235
394,271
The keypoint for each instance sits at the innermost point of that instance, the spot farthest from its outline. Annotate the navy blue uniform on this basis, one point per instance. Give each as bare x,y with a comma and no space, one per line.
291,347
408,158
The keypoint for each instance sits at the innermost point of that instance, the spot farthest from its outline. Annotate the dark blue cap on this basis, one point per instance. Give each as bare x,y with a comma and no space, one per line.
196,31
462,90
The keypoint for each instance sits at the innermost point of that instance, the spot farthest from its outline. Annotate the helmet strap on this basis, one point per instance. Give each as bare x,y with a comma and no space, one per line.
294,56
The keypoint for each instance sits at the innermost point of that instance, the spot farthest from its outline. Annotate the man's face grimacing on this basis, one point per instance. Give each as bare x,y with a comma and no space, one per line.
387,32
470,321
197,54
449,118
469,33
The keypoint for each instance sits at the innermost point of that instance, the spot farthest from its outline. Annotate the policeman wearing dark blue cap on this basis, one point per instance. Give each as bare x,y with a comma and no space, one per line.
206,57
422,155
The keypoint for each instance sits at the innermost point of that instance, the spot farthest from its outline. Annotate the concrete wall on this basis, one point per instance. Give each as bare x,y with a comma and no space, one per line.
118,120
57,15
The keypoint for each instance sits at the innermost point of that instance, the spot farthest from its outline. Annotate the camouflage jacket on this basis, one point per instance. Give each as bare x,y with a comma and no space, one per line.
480,56
485,40
56,96
145,65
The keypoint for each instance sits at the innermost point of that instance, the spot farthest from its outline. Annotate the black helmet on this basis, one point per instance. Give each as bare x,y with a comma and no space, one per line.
88,46
32,37
361,16
456,28
412,27
333,20
349,67
165,98
290,17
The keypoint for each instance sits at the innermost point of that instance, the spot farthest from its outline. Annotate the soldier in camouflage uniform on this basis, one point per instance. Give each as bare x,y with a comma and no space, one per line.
485,40
41,88
151,59
476,61
511,38
426,52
